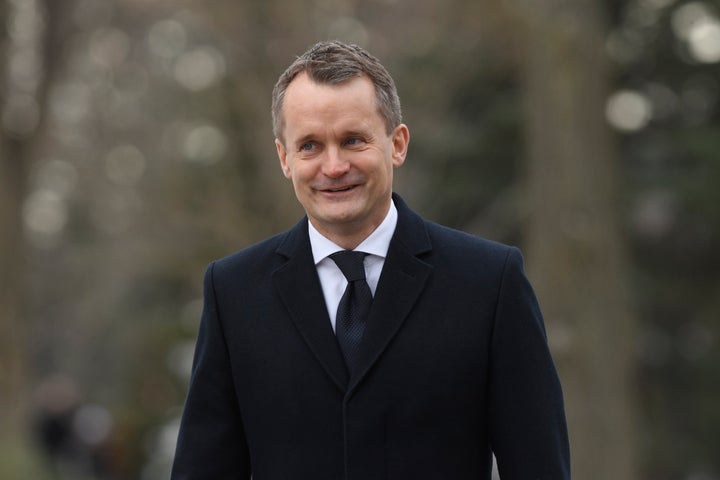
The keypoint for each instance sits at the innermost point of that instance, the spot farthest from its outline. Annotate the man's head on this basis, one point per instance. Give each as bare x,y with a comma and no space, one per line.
333,63
339,138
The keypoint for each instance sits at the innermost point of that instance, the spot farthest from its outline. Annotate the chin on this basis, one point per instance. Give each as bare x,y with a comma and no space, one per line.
339,217
345,216
340,211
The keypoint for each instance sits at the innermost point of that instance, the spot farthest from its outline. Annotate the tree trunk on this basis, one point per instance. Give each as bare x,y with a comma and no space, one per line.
16,146
12,187
573,246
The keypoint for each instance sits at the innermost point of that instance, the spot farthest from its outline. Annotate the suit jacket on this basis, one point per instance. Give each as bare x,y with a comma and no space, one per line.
455,367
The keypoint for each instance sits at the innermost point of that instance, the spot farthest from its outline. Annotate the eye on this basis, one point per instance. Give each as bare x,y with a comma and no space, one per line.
307,147
353,141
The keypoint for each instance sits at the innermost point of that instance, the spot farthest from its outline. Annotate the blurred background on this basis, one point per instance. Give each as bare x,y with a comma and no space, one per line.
136,146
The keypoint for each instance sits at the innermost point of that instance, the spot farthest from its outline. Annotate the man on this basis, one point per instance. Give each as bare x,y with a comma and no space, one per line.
418,364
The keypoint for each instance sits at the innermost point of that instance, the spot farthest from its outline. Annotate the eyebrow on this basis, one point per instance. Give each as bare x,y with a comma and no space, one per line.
357,133
304,139
309,137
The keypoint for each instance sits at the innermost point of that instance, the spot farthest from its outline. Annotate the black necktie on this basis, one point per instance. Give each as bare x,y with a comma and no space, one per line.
354,305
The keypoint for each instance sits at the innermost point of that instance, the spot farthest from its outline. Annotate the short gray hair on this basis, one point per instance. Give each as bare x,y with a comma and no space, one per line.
333,63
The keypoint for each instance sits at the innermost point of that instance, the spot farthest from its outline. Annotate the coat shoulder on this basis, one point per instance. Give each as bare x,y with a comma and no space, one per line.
464,247
252,260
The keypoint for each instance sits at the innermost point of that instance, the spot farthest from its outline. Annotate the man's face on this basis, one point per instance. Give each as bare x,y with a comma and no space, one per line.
336,150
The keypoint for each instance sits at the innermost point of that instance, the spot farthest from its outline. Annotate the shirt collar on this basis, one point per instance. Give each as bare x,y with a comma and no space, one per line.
377,243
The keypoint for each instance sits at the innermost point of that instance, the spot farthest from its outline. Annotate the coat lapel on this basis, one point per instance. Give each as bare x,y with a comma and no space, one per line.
403,278
299,288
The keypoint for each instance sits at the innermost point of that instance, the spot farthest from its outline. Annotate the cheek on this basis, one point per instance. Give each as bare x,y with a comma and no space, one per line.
386,171
301,174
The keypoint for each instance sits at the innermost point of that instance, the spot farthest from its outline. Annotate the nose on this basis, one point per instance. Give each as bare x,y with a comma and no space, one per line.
334,165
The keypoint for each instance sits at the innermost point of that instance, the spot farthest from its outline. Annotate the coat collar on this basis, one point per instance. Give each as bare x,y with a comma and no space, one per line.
298,285
403,278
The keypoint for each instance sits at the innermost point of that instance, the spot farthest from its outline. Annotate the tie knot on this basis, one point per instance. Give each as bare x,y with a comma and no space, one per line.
350,264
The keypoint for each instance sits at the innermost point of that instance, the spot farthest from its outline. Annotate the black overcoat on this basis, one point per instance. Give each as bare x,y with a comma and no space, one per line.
455,366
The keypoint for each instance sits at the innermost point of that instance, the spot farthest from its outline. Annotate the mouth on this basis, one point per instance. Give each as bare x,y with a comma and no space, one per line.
340,189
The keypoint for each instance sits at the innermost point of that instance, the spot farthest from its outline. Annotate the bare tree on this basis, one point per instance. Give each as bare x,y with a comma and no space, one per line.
19,120
12,186
575,253
24,65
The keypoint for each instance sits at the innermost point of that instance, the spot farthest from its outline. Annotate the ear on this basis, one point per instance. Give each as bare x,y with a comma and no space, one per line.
282,155
400,140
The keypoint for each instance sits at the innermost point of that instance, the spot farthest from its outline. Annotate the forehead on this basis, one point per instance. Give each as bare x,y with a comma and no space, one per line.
307,102
304,81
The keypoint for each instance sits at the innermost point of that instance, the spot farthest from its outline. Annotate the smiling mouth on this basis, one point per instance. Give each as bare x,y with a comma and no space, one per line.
339,189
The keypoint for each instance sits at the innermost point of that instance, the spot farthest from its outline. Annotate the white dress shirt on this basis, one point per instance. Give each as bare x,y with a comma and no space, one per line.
332,280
